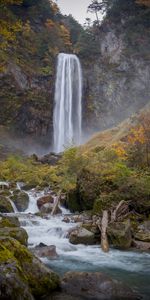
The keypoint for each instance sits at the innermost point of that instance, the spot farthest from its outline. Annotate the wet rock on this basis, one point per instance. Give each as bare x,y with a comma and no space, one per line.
82,236
119,234
143,246
17,233
4,185
51,159
5,205
12,286
20,268
9,221
43,200
95,286
66,220
21,200
143,232
45,251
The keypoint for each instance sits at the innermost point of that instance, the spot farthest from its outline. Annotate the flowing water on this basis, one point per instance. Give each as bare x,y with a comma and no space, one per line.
67,118
130,267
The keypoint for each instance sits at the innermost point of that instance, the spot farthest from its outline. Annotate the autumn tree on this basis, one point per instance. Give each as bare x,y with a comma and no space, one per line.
139,139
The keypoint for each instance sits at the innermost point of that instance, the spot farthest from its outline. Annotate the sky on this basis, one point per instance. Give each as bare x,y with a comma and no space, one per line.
77,8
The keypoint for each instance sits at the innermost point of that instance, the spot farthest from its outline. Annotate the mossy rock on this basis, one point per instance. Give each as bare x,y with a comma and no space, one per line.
82,236
88,188
9,221
119,234
21,200
73,202
17,233
5,205
25,268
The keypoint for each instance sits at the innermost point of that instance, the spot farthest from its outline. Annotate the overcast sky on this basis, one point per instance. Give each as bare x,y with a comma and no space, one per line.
77,8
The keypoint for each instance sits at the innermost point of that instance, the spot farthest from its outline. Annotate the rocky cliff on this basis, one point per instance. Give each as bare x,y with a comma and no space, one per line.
115,76
116,81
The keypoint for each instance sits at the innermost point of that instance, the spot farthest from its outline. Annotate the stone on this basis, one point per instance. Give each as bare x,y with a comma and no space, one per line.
21,200
143,232
9,221
43,200
23,276
5,205
82,236
95,286
119,234
15,232
143,246
45,251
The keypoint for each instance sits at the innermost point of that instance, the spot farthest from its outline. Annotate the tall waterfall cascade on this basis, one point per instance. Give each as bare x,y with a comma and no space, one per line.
67,116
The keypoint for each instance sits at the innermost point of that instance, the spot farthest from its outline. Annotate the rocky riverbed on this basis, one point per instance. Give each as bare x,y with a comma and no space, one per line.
68,245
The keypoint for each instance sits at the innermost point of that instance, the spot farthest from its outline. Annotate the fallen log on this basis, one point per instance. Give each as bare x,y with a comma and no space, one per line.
56,203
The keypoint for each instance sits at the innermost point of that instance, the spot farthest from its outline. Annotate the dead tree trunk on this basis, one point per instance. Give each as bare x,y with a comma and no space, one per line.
103,229
57,200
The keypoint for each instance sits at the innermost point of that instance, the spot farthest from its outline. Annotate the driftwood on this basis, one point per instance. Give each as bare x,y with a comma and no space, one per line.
121,210
117,214
57,200
103,228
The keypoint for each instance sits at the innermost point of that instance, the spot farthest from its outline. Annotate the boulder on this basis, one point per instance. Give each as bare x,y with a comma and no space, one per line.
5,205
23,276
21,200
43,200
82,236
143,232
9,221
45,251
15,232
95,286
143,246
119,234
48,207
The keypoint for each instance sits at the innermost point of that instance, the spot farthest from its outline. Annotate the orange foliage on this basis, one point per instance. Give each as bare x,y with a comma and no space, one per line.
143,2
50,24
65,34
120,150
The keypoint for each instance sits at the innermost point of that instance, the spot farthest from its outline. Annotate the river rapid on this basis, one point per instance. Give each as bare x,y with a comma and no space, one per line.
133,268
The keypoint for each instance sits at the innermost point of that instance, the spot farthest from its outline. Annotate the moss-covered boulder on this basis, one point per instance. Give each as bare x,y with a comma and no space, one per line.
23,275
9,221
82,236
88,188
119,234
5,205
17,233
21,200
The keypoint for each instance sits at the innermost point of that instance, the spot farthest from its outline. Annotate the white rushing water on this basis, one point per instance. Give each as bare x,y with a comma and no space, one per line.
67,117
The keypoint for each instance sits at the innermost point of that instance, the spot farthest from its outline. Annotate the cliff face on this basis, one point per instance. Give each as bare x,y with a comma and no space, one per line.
116,79
116,82
28,77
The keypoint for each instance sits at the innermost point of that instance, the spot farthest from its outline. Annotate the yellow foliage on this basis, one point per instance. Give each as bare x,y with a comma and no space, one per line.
120,150
137,135
65,34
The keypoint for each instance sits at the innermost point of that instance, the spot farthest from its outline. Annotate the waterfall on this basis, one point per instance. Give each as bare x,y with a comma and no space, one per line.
67,117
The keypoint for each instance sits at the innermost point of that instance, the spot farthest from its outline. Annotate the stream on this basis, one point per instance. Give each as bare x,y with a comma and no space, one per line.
133,268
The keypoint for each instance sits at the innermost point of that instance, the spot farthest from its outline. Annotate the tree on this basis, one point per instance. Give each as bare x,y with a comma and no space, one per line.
98,6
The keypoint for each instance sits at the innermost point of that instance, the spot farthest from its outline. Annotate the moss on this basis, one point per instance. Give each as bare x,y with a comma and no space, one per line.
5,254
17,233
9,222
72,202
5,205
